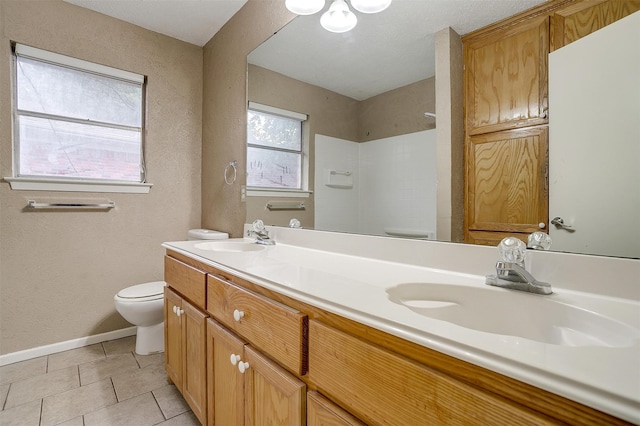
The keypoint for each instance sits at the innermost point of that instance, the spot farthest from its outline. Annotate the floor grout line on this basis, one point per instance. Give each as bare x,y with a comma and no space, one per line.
37,412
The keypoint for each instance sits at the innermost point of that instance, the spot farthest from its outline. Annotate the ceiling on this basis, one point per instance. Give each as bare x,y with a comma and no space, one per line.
384,51
193,21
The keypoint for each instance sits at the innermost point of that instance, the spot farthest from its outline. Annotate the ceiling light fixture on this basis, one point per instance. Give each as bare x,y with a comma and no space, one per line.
339,18
370,6
304,7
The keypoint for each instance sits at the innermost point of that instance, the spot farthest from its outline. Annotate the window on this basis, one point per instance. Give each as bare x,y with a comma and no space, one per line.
275,149
76,120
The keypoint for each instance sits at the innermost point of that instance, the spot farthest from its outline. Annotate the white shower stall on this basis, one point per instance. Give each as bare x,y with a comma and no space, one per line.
382,187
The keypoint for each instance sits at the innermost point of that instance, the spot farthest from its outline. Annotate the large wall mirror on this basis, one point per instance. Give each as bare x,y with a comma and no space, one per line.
371,149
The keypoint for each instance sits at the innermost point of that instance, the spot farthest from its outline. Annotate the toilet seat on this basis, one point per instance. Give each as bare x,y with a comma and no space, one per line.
143,292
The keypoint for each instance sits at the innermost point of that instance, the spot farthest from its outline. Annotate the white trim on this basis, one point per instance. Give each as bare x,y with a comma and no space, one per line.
47,184
55,58
277,111
53,348
293,193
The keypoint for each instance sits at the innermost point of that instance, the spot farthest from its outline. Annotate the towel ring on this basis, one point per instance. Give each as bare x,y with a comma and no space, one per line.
233,165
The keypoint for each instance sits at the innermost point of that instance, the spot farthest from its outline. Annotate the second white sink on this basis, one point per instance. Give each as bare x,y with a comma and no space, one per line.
513,313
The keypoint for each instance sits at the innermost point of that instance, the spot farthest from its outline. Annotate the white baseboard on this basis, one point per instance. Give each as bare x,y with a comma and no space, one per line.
53,348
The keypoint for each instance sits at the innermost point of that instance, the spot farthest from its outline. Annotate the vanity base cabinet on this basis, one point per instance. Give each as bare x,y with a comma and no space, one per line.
261,393
274,397
384,388
225,383
355,374
185,351
322,412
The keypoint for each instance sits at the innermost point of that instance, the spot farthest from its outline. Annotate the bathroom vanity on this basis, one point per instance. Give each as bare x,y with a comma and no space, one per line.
321,329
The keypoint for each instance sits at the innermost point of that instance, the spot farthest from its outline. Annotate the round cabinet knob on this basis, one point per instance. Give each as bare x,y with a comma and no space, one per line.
179,312
175,309
237,315
541,225
234,359
243,366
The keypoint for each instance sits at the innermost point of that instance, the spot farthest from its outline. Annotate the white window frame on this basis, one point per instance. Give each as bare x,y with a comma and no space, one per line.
50,183
286,193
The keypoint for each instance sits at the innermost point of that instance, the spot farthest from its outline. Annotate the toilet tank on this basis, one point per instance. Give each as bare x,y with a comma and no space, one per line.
206,234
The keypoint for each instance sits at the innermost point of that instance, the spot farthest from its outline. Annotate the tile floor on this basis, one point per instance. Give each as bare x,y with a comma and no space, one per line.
102,384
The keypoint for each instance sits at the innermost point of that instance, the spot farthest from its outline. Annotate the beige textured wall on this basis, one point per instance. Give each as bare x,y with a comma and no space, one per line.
398,112
224,109
60,270
450,136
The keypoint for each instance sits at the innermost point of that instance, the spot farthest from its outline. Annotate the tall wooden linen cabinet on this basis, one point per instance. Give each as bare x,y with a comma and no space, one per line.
506,113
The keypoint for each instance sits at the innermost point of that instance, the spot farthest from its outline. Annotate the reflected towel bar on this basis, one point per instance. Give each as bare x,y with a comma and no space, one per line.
285,206
35,205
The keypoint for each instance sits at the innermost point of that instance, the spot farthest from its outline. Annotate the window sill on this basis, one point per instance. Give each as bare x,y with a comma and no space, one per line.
284,193
45,184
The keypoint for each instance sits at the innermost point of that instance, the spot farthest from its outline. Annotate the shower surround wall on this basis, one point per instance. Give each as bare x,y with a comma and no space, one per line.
394,184
60,270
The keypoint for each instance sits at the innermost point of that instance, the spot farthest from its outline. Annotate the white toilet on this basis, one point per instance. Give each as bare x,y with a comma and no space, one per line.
142,305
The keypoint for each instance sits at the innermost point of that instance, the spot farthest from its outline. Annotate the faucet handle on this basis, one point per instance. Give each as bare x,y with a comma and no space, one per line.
512,250
539,241
258,225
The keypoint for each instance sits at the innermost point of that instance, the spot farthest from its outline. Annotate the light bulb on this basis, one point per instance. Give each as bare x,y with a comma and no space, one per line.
370,6
338,19
304,7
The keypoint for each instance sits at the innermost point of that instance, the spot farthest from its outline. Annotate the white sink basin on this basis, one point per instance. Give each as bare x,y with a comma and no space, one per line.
514,313
229,246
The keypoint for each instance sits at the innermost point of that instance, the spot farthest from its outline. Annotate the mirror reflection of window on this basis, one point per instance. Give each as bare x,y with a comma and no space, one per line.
274,147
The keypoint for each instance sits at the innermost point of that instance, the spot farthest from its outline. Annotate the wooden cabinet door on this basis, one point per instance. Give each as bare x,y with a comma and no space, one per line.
225,382
173,337
274,397
194,350
583,17
506,182
322,412
506,77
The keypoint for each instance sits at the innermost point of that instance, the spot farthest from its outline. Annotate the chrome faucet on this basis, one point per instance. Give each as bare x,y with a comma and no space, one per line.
260,233
511,273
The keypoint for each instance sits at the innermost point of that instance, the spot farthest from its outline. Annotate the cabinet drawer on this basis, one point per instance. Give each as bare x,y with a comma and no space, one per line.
322,412
277,330
186,280
381,387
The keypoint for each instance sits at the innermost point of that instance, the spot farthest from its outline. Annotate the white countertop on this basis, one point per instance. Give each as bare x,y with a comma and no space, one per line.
605,378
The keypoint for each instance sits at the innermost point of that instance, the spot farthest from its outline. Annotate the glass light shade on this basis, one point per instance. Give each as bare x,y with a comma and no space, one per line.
304,7
370,6
338,19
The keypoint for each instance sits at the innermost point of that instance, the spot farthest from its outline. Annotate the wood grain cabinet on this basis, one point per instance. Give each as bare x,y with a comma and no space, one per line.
506,77
506,88
507,189
322,412
185,351
385,388
246,387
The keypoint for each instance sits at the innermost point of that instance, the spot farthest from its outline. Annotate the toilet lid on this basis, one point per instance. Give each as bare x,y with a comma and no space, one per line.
155,288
